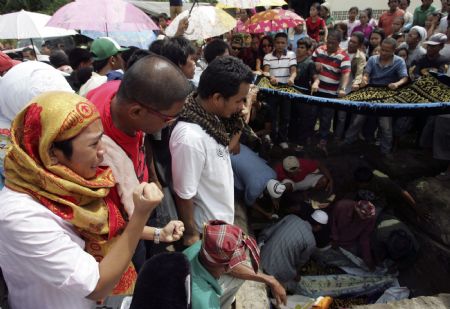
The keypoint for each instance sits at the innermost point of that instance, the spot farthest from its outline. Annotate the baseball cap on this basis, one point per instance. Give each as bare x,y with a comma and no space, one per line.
436,39
275,188
291,164
226,244
320,216
103,48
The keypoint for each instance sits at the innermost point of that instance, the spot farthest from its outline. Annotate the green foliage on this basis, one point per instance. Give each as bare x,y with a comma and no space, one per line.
41,6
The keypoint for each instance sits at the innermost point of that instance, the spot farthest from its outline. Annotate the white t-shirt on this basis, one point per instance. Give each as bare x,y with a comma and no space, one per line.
42,257
201,169
95,81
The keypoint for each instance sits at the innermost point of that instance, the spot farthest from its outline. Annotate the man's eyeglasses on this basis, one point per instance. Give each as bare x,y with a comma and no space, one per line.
236,47
266,45
165,118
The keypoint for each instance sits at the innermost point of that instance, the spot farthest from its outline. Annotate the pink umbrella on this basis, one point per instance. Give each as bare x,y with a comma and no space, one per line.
102,15
272,20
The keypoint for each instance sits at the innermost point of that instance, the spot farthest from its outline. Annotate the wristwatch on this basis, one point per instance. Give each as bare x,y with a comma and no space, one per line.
156,236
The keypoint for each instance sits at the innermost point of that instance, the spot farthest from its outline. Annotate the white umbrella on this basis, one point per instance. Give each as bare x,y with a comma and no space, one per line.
27,25
204,22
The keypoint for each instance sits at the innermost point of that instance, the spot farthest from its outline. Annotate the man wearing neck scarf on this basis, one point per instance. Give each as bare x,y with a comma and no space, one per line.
201,166
351,225
63,243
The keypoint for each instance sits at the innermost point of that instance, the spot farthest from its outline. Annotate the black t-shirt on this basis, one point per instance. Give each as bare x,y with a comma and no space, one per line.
305,72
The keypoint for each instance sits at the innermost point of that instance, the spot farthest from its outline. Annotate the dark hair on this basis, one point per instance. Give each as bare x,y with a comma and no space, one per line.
305,42
281,35
315,5
126,55
363,174
83,75
369,13
224,75
137,54
156,46
398,50
261,53
100,64
77,56
28,49
153,81
344,30
338,35
354,8
58,58
177,50
397,35
163,15
65,146
390,41
360,36
214,49
409,2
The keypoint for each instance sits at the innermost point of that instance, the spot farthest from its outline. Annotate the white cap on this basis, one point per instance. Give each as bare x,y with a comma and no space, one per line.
320,216
275,188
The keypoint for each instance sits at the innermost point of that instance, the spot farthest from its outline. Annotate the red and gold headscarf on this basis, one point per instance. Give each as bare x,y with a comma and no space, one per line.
53,117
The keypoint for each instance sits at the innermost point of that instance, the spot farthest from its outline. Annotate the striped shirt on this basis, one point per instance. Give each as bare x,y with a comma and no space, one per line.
280,67
333,66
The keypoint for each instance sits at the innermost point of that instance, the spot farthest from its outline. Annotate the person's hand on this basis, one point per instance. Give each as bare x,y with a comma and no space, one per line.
355,87
278,291
273,80
252,95
363,83
146,196
189,239
290,81
330,186
314,88
341,93
393,86
173,231
182,26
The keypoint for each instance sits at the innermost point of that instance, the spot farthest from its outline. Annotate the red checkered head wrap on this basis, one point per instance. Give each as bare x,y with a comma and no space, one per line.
225,244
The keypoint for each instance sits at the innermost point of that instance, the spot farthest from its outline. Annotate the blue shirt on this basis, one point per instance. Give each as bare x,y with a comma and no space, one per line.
206,290
251,174
383,76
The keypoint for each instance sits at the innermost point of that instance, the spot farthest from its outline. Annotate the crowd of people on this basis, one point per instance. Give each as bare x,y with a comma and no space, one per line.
95,142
